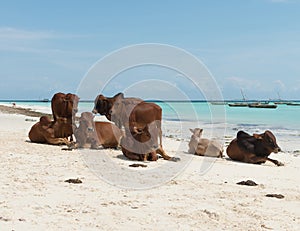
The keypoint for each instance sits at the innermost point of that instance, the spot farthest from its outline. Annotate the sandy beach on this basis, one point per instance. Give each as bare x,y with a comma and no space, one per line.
35,196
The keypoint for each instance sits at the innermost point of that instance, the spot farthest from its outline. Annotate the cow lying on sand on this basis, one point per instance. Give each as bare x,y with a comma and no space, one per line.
253,149
204,147
96,133
44,132
141,145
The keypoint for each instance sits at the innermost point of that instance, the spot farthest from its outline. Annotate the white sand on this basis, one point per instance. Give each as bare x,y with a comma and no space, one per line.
34,196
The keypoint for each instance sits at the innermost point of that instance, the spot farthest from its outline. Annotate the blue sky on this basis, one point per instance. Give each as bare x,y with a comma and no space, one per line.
48,46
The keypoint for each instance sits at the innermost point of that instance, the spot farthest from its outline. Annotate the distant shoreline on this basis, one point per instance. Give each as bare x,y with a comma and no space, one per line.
157,101
22,111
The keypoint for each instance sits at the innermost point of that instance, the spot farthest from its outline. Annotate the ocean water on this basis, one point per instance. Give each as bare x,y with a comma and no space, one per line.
284,120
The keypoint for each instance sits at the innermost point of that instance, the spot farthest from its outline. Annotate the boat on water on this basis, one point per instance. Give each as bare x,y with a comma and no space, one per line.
280,101
218,103
238,104
262,105
293,104
45,100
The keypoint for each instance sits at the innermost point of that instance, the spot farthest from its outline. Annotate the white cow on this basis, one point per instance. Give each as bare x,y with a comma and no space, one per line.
204,147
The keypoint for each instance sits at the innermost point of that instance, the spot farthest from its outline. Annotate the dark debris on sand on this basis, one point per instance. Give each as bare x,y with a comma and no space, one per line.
247,182
74,181
278,196
138,165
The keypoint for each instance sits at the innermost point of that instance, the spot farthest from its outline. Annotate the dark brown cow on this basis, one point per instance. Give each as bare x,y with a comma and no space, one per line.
96,133
64,108
44,132
253,149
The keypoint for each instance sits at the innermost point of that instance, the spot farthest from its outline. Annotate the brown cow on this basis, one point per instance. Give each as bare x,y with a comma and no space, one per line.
103,105
96,133
132,113
142,145
133,147
64,108
43,132
253,149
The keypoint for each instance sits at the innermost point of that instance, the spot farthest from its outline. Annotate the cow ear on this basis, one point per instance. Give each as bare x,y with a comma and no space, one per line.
199,132
120,94
257,136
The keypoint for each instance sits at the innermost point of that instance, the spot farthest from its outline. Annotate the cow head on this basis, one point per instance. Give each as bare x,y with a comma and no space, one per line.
100,105
268,141
197,132
45,121
72,103
86,121
103,105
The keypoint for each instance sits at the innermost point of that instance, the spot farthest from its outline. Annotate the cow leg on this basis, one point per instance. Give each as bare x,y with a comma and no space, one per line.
158,125
260,160
71,138
58,141
165,156
276,162
163,153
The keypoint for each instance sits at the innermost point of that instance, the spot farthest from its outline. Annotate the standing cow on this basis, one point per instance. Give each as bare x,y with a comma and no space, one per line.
64,108
132,113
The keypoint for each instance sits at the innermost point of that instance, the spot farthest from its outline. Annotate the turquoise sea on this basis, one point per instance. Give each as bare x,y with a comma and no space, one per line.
218,121
283,117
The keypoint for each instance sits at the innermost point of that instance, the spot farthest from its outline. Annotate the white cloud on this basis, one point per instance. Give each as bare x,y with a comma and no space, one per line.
9,33
37,42
13,33
244,83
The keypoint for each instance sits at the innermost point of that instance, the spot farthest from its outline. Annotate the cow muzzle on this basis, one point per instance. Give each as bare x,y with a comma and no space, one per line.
94,111
276,150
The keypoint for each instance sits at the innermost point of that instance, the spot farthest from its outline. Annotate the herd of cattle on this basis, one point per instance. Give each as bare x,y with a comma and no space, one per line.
136,128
